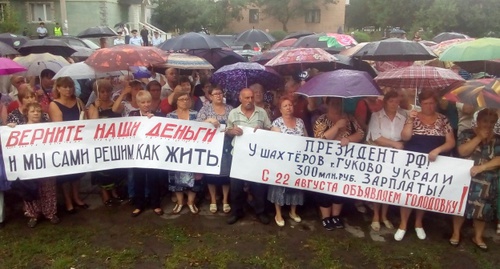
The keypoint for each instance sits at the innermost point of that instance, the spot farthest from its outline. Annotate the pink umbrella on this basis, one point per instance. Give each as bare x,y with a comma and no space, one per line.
7,67
284,43
297,60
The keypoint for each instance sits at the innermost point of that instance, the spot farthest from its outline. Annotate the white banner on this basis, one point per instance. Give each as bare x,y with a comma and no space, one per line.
51,149
356,171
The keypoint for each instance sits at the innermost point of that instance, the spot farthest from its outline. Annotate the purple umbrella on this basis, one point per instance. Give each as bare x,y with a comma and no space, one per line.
7,67
237,76
340,83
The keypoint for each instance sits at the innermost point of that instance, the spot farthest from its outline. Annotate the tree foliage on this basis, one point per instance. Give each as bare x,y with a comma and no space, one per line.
9,22
476,18
285,10
194,15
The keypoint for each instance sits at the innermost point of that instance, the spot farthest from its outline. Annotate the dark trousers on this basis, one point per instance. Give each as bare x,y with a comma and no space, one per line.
145,41
239,196
151,178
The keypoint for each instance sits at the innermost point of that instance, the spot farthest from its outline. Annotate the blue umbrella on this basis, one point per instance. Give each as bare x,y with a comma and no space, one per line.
237,76
340,83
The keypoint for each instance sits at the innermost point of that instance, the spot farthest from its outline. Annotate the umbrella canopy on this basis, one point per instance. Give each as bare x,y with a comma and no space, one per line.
340,83
7,67
82,70
297,60
267,55
192,40
481,49
438,49
82,52
330,41
298,34
254,35
428,43
421,77
237,76
284,43
479,93
346,62
491,67
97,31
124,56
37,67
12,40
448,35
36,59
6,49
186,61
52,46
395,49
218,57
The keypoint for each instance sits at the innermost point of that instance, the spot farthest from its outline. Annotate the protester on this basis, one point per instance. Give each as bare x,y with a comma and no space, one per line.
44,200
146,176
67,107
217,113
181,182
127,102
101,108
154,88
335,125
425,132
384,130
167,105
172,80
248,115
278,195
26,96
483,147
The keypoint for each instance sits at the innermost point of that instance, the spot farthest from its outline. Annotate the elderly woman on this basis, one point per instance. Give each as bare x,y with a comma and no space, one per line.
277,195
183,181
216,113
335,125
67,107
426,132
46,201
482,146
145,176
26,96
384,130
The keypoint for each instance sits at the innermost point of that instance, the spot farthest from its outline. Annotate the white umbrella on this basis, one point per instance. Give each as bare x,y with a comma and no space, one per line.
83,71
37,67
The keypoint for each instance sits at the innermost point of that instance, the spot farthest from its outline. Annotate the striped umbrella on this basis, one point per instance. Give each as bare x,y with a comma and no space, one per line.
186,61
479,93
422,77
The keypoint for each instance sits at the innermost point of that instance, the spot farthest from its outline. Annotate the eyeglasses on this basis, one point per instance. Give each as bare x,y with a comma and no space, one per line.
184,99
217,94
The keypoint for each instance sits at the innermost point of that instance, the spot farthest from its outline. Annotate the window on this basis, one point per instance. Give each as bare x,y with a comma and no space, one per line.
40,12
253,16
313,16
3,11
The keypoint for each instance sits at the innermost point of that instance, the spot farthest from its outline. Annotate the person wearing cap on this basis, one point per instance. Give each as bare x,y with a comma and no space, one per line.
156,39
119,39
41,31
135,39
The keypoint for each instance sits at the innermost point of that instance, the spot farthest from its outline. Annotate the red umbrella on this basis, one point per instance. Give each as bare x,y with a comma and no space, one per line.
422,77
284,43
124,56
297,60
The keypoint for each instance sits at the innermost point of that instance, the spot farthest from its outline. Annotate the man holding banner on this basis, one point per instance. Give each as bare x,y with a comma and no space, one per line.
247,114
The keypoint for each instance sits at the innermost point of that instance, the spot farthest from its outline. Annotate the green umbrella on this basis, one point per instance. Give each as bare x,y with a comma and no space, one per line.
481,49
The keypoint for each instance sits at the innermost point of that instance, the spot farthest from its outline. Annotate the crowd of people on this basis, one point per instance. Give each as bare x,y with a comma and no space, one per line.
432,126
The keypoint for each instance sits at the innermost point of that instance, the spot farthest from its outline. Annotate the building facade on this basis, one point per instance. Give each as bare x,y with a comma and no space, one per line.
327,18
80,14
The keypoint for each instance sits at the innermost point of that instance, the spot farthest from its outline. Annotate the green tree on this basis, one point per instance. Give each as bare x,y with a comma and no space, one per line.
357,14
284,10
9,21
396,13
193,15
439,17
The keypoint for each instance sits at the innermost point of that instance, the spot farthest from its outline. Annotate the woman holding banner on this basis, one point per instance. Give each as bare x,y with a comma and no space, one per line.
217,113
67,107
482,146
425,132
281,196
183,181
384,130
335,125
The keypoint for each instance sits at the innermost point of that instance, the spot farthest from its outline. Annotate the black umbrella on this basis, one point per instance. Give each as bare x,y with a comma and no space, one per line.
192,41
395,49
346,62
52,46
448,36
254,35
97,31
5,49
218,57
12,40
298,34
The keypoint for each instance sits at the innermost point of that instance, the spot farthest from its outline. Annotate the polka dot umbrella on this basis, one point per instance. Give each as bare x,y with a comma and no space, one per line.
125,56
